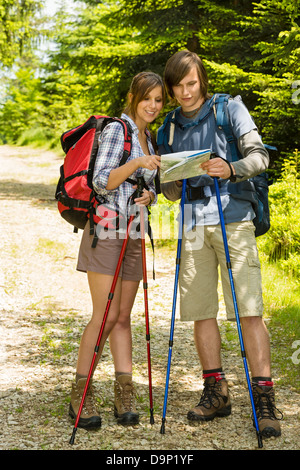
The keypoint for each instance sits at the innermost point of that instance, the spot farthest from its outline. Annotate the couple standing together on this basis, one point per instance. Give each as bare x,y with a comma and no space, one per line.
186,81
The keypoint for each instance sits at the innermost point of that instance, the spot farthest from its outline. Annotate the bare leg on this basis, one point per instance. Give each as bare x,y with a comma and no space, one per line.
257,346
208,343
100,285
120,339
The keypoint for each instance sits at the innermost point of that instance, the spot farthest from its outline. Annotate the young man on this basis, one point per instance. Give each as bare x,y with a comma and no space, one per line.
202,246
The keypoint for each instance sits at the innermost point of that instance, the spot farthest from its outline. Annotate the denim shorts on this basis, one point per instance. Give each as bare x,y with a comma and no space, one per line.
203,259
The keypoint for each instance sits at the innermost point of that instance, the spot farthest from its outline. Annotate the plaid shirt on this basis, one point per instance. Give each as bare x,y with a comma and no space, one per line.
109,156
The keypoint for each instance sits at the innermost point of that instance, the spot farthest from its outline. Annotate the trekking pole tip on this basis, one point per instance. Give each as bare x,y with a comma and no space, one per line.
162,429
259,439
73,436
151,417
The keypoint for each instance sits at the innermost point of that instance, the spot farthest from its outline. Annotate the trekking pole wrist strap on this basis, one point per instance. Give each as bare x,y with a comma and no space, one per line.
151,196
232,176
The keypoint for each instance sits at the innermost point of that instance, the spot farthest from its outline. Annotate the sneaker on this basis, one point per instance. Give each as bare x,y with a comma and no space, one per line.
124,405
214,401
89,417
268,416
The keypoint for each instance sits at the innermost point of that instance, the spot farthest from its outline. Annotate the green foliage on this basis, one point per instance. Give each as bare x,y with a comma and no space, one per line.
281,51
249,48
23,105
281,309
19,28
164,222
35,137
269,100
282,242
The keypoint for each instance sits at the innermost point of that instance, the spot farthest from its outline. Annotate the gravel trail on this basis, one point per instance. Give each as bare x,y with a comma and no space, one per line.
44,306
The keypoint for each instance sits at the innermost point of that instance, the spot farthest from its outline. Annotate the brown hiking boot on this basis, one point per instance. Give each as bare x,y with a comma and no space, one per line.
89,417
214,401
268,416
124,406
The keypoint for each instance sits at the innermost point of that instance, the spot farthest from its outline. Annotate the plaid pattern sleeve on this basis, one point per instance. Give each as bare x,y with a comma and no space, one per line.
109,155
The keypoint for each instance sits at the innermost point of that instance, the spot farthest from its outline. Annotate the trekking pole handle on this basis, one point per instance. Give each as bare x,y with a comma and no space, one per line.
140,186
140,183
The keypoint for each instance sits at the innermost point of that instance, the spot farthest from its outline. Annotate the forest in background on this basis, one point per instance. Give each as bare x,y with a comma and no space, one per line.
57,71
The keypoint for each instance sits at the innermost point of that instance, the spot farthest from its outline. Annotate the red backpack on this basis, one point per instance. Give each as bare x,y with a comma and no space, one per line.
75,194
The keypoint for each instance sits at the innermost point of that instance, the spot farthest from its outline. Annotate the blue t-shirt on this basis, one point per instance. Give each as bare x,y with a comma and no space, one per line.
206,135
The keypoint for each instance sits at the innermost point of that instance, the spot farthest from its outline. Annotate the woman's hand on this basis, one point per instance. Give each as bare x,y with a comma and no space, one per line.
145,199
151,162
118,175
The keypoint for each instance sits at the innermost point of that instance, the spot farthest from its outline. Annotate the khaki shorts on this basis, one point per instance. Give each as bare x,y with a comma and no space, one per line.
104,257
202,254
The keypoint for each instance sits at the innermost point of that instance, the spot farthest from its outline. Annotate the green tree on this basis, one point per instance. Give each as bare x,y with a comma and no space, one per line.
234,38
22,107
249,48
19,28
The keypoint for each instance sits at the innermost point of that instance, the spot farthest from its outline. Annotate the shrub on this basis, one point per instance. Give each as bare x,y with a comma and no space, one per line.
281,243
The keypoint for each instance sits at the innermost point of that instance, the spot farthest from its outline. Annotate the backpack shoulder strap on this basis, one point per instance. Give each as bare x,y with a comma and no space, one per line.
219,105
165,135
166,132
127,143
127,138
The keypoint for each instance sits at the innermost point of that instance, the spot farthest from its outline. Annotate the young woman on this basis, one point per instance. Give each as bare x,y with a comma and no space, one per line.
145,101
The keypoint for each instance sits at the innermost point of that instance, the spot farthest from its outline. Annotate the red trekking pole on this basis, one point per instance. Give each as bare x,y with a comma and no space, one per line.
145,287
110,298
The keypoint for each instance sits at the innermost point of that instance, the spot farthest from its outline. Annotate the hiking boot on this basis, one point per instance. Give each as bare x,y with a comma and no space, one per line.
268,416
124,406
214,401
89,417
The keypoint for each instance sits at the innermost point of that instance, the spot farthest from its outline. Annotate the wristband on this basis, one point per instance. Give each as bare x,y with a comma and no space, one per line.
232,176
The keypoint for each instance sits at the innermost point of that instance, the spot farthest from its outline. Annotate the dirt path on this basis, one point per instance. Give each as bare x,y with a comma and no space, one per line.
45,304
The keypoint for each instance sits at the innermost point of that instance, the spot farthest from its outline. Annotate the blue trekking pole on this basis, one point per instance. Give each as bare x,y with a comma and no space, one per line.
178,255
228,263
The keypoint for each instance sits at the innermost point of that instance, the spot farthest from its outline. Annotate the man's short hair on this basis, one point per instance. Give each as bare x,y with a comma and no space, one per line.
179,65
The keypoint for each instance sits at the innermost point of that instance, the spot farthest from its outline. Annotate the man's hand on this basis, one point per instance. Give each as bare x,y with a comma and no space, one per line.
218,167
